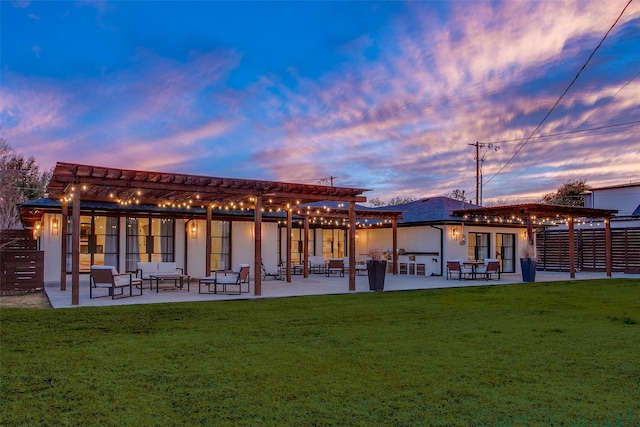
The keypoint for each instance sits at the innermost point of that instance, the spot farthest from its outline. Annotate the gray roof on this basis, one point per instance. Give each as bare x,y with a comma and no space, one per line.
430,209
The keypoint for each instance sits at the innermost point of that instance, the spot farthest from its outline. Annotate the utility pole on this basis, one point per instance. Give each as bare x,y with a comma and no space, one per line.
328,179
478,159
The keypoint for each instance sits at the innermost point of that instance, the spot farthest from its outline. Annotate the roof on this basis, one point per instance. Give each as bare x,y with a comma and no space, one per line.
431,209
124,186
535,210
636,212
610,187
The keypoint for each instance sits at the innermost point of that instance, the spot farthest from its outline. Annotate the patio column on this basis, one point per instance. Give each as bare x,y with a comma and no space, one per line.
289,220
352,246
529,230
607,240
572,249
395,245
75,247
63,246
207,243
257,239
306,247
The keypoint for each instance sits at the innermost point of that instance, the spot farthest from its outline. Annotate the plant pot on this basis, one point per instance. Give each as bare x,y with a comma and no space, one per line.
376,271
528,266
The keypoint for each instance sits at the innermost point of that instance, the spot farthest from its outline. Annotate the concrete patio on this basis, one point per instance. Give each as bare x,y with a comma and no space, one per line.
315,284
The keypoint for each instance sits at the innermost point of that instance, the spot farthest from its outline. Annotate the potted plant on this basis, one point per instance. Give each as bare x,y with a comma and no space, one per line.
376,269
528,263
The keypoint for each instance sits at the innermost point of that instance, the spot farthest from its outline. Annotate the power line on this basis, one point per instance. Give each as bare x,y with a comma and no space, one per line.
561,96
522,171
563,133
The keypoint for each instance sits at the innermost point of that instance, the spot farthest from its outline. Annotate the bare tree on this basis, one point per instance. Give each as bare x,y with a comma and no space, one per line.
400,201
375,202
458,194
20,181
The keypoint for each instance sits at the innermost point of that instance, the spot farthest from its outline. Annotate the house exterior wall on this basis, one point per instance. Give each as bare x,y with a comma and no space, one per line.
426,240
52,247
624,199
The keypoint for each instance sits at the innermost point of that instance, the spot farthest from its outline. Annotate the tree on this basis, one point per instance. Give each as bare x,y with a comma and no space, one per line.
400,201
568,194
20,181
376,202
457,194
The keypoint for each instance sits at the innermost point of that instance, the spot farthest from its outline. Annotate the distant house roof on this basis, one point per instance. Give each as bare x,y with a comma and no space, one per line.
430,209
610,187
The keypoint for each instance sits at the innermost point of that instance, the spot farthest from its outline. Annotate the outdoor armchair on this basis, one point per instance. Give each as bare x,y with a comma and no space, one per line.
334,266
107,277
491,267
455,266
237,277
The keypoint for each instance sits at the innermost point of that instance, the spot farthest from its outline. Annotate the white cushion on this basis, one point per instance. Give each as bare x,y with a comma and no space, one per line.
166,267
147,268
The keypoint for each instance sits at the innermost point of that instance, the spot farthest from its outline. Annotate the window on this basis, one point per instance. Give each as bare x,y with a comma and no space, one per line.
98,241
505,252
334,243
220,245
149,239
478,246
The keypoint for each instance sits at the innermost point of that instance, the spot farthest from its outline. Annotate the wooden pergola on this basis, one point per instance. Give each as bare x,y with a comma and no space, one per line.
543,215
72,183
350,215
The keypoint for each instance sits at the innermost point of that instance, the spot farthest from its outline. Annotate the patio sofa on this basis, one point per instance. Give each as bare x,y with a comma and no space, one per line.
147,269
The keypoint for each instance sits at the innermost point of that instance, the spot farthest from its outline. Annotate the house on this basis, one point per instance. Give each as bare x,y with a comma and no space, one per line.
625,198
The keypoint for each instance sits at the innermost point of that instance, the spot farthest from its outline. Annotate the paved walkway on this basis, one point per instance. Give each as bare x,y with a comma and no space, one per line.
315,284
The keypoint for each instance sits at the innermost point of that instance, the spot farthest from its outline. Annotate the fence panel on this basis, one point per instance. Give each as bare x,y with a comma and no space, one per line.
553,250
21,264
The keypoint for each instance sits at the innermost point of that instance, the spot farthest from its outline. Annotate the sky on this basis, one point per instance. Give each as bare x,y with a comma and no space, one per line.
386,96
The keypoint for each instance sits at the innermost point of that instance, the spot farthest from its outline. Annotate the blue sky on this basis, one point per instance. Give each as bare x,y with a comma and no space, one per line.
381,95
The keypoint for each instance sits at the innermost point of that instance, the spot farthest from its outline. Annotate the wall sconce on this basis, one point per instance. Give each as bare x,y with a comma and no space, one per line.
455,233
55,226
193,228
37,229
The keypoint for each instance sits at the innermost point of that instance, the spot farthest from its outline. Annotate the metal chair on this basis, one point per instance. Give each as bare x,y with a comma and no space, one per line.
226,278
107,277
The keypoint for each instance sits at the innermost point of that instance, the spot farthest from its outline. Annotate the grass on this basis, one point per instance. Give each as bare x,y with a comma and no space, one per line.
563,353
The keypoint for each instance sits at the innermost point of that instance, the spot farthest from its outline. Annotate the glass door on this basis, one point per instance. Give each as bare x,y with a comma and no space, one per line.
334,243
505,252
98,241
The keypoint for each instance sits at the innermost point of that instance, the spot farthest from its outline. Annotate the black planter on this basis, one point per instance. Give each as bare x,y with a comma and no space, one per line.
528,267
376,271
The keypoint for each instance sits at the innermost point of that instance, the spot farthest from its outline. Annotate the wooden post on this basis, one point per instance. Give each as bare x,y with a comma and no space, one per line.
529,230
257,239
207,244
352,246
607,239
395,245
75,248
289,220
306,247
63,246
572,249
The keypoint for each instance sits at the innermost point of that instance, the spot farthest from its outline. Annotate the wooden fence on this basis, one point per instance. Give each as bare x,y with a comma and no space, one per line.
553,250
21,263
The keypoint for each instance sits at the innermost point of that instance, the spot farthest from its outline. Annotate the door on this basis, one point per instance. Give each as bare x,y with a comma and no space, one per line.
505,252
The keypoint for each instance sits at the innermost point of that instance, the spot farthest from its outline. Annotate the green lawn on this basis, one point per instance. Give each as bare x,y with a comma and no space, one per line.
564,353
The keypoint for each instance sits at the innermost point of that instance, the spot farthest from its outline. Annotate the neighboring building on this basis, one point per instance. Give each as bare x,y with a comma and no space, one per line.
625,198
